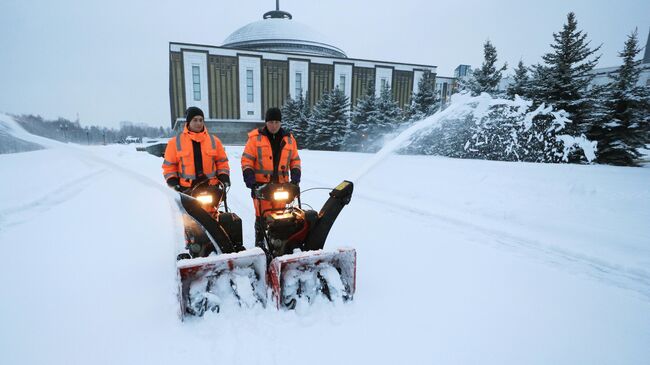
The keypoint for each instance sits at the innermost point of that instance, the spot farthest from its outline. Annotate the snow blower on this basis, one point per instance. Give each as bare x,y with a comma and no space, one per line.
300,271
230,276
217,271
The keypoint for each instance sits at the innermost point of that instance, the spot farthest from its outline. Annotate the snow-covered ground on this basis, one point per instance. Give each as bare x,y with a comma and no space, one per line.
459,262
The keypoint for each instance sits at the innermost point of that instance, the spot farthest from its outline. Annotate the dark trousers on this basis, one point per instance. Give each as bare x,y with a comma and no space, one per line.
259,232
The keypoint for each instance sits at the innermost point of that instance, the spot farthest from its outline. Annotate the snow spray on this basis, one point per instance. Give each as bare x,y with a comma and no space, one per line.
457,108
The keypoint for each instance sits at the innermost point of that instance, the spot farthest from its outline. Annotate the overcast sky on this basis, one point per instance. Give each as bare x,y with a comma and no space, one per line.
108,61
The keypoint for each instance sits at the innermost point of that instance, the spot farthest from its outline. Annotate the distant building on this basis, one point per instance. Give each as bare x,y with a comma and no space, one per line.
462,71
262,64
445,86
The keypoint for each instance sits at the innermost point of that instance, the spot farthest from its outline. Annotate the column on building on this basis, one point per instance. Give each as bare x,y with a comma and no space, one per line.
250,90
298,77
343,78
196,80
417,76
383,77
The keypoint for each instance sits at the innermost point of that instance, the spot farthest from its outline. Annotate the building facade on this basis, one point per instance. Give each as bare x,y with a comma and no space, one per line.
445,86
265,62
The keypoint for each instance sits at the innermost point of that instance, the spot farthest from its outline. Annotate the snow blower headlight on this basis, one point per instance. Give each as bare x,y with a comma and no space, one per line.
281,195
204,199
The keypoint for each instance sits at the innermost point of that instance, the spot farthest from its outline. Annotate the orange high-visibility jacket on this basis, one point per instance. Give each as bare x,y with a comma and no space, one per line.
259,157
179,157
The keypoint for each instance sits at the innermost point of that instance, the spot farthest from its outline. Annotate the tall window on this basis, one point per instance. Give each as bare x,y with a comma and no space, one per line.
298,84
249,86
196,82
384,82
342,83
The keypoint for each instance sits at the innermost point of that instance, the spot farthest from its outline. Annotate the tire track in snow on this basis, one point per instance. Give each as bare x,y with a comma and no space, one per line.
24,212
636,280
172,197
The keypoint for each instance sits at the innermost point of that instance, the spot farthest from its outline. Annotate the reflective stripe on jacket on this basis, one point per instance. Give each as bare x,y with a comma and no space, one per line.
258,156
179,157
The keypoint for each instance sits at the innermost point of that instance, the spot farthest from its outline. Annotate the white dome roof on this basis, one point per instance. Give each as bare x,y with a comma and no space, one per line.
282,35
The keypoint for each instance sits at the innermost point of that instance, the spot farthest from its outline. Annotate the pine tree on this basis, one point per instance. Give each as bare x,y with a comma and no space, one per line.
363,116
564,77
425,101
295,118
389,112
290,114
487,78
329,122
305,118
625,110
521,82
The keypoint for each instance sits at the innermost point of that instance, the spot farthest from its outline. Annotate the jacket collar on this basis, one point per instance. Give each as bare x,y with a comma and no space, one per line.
196,136
281,133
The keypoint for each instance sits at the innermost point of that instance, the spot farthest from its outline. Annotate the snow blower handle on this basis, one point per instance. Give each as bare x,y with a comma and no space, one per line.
224,188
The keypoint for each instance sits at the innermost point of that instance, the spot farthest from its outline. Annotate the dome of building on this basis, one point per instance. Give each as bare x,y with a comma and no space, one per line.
277,32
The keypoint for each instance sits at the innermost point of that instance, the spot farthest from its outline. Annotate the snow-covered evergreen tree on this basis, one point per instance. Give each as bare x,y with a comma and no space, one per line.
363,116
425,101
521,82
625,122
563,79
389,112
329,123
487,78
506,130
512,131
295,118
290,114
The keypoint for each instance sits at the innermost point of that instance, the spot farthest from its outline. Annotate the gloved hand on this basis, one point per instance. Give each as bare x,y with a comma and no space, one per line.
174,183
295,176
249,178
225,180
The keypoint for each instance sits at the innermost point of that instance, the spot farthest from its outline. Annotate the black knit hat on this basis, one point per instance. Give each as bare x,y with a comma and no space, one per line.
273,114
192,112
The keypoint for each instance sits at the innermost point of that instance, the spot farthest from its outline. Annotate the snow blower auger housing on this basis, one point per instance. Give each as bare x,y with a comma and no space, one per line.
300,270
230,276
208,283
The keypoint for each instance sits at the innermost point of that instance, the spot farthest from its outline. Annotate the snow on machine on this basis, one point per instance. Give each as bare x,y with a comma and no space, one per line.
300,271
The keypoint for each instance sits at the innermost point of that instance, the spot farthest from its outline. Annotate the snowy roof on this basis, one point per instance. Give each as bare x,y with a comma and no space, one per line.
284,35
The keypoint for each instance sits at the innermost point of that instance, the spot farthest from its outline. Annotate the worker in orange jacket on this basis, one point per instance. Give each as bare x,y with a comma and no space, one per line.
194,155
270,155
